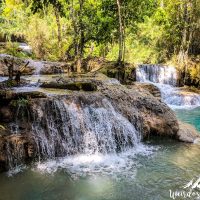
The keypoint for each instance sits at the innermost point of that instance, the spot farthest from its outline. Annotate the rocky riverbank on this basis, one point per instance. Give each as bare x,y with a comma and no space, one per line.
33,67
38,125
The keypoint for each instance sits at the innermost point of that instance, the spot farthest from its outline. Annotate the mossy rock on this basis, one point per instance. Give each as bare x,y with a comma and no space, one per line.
11,95
76,86
122,74
12,83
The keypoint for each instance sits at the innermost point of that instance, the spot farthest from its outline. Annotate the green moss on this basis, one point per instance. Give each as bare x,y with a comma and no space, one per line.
76,86
22,102
11,83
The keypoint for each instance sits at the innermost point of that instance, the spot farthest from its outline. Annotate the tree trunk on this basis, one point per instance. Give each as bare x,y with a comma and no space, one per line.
120,55
81,37
124,38
10,71
186,39
59,30
161,3
78,64
10,67
74,23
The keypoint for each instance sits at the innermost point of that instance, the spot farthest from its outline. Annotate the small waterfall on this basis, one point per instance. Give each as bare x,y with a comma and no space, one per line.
63,128
166,78
71,130
3,78
38,65
25,48
157,74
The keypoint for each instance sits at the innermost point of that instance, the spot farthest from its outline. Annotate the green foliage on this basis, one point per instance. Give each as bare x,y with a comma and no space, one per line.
12,48
22,102
154,31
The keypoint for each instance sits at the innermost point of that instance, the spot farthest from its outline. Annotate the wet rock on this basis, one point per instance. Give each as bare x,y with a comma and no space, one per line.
150,115
6,114
48,67
152,89
34,66
17,64
85,86
14,150
187,133
140,109
13,83
12,95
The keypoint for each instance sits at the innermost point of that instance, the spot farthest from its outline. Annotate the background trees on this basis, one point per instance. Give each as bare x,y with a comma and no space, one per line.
139,31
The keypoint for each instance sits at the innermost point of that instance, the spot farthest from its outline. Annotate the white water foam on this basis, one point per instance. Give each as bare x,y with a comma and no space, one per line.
115,165
38,65
177,98
157,74
165,78
3,78
16,170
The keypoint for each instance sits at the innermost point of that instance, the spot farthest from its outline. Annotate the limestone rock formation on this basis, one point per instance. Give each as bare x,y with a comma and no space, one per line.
34,66
58,125
187,133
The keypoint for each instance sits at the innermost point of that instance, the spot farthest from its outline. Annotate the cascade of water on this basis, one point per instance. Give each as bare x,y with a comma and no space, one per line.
25,48
157,74
38,65
165,78
63,128
3,78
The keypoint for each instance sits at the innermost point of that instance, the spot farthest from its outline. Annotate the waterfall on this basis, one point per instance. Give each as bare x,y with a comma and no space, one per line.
38,65
157,74
3,78
71,133
63,128
166,78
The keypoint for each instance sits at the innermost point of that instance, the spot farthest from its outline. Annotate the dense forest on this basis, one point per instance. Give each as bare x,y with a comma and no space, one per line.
139,31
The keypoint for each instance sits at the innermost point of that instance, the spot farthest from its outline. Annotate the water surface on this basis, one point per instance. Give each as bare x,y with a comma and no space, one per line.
167,165
191,116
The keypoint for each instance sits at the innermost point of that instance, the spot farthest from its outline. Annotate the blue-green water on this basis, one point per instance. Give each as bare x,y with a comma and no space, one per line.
170,167
190,116
160,166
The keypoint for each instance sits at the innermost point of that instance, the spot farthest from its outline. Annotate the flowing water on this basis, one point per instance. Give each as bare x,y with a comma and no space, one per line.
191,116
149,174
165,78
157,74
98,170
